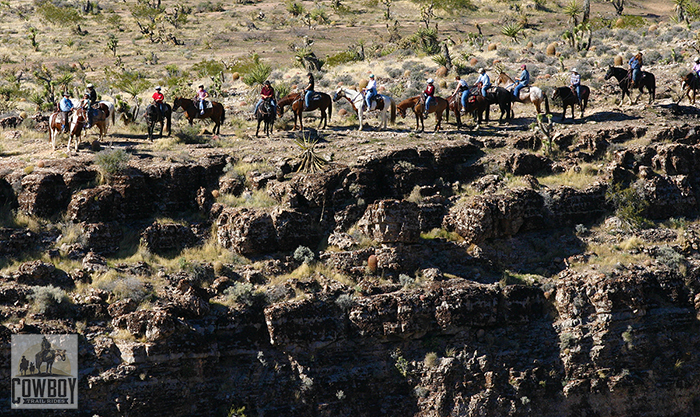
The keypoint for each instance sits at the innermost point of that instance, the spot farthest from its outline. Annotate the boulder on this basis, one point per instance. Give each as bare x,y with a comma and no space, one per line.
43,194
94,205
294,228
246,231
493,216
167,237
391,221
102,238
155,324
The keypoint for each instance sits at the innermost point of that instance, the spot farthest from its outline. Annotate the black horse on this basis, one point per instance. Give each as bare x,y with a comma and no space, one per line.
266,113
153,116
568,98
646,79
502,97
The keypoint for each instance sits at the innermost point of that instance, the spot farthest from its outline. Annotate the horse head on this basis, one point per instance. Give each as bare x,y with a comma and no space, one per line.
280,110
338,94
609,73
402,112
179,102
556,94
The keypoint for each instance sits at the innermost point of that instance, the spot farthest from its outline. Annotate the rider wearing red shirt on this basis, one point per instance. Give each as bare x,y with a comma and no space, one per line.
158,98
429,91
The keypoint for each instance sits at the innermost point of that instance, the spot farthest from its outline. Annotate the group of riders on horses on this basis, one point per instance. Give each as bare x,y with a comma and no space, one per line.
267,93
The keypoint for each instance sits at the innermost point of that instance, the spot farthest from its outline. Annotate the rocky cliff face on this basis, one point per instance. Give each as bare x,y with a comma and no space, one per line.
439,327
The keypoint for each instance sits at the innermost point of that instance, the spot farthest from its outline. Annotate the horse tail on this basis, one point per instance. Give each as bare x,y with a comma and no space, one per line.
330,109
546,104
223,114
393,112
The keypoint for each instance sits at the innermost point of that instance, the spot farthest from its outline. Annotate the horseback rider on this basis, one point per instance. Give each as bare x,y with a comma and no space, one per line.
92,93
484,80
309,89
463,90
158,98
201,97
65,106
636,68
370,91
696,67
266,93
576,84
86,104
523,81
428,94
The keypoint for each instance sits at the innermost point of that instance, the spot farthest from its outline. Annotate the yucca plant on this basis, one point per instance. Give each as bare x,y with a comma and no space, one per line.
258,74
512,31
309,160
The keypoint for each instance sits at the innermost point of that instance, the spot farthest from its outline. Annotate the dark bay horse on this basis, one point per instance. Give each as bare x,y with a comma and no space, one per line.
153,115
416,103
568,98
216,112
529,94
502,97
690,82
296,101
476,106
265,114
647,81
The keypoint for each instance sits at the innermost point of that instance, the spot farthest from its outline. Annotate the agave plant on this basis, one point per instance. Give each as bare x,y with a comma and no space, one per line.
309,160
512,31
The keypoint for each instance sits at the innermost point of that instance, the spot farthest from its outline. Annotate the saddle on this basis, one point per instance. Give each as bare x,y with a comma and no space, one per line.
472,99
377,103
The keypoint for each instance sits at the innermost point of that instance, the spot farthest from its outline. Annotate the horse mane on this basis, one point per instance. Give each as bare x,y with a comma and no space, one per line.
409,102
288,99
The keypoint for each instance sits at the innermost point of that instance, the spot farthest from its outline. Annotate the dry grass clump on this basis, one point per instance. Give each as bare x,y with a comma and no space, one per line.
582,177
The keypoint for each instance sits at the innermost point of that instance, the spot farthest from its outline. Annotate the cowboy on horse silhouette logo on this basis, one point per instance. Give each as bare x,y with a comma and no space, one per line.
44,371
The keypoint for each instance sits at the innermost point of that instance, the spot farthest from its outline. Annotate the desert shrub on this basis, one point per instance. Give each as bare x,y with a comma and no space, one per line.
123,287
111,162
49,300
540,57
190,135
631,21
342,58
666,255
294,8
506,53
652,57
628,204
344,301
430,359
240,293
406,281
304,255
394,73
346,79
208,7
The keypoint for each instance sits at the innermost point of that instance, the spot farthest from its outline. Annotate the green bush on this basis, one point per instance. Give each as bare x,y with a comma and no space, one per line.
342,58
425,40
304,255
111,162
240,293
49,300
190,135
258,74
629,205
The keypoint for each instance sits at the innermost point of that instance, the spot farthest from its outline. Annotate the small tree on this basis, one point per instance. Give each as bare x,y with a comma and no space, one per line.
130,82
112,43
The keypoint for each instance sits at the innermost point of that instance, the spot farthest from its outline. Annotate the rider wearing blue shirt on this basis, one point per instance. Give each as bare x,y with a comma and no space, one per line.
524,81
484,80
65,106
636,67
576,84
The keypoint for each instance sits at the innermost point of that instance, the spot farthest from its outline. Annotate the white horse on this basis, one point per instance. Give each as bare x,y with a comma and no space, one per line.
104,104
358,102
528,94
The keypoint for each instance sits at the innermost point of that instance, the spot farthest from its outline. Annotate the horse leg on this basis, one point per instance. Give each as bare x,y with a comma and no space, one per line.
258,129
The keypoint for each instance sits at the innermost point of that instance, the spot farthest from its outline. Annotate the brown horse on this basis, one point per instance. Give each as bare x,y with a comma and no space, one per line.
456,106
296,101
690,82
568,98
216,112
77,122
416,103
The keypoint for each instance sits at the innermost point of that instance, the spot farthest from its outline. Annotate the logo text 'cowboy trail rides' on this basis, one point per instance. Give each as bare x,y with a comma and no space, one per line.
44,371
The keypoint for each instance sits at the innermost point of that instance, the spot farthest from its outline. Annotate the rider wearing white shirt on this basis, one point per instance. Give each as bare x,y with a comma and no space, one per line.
370,91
